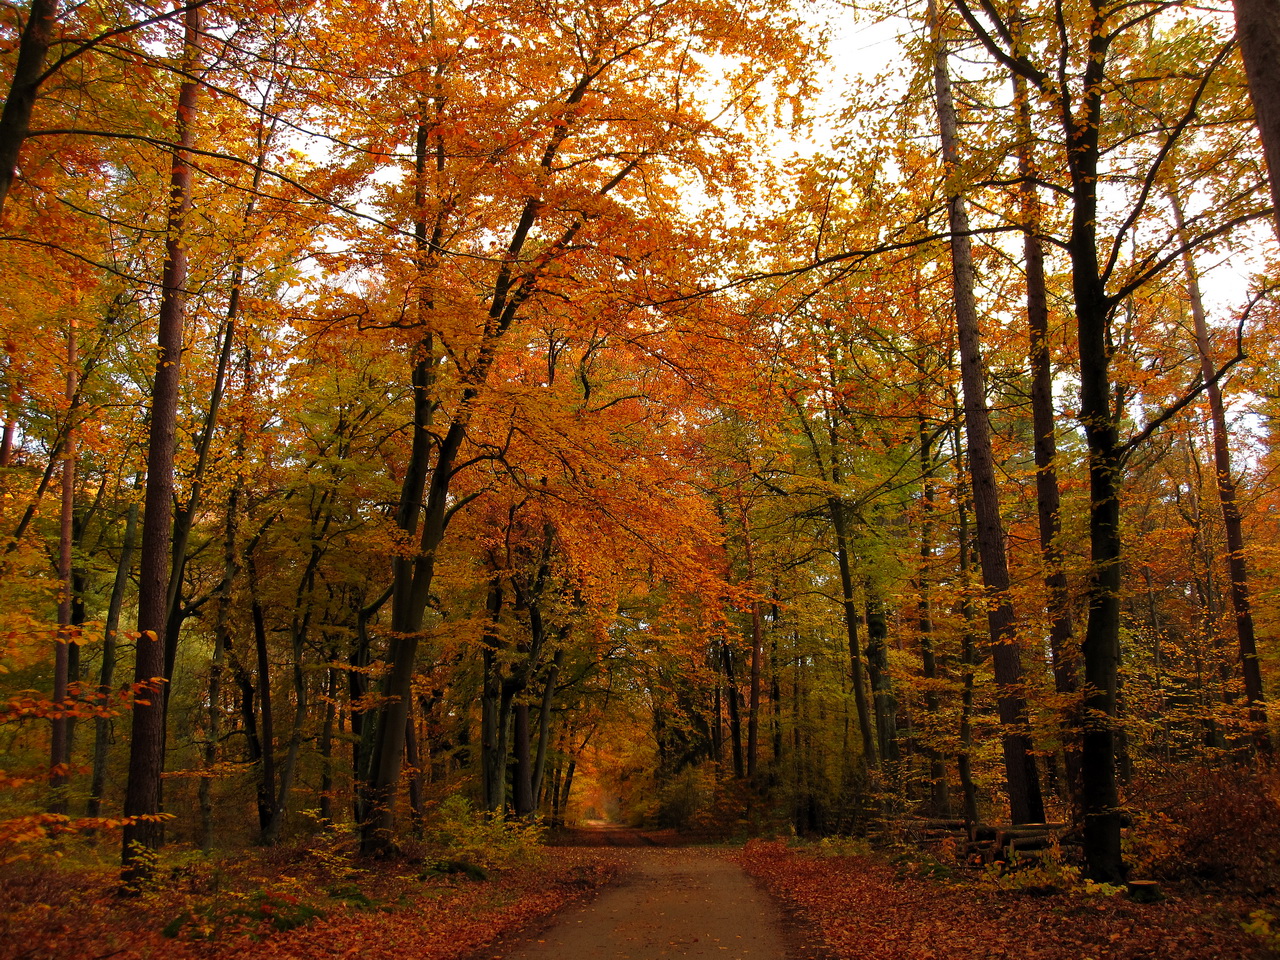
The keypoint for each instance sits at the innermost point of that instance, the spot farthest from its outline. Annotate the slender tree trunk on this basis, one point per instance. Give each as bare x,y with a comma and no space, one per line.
733,699
1023,778
1237,567
757,646
106,677
849,606
886,705
145,832
544,724
326,743
1048,498
288,770
6,440
493,758
413,760
267,759
939,792
221,643
968,643
60,742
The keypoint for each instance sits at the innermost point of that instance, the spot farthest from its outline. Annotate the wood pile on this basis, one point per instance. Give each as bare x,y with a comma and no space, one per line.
984,843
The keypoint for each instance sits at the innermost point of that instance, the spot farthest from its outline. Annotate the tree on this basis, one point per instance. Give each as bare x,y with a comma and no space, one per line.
146,754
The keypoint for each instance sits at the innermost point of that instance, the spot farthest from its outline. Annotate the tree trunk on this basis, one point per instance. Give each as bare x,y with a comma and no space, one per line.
733,699
1026,805
968,644
15,120
886,705
1048,498
522,775
1258,29
493,757
849,605
1101,646
106,678
221,643
1237,567
267,732
939,792
146,754
326,743
60,741
288,770
413,760
544,724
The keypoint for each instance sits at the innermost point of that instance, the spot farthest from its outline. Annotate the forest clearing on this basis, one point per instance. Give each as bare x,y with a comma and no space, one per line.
430,426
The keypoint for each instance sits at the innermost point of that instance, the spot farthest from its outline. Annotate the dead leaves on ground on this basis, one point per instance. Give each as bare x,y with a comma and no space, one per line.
863,907
397,914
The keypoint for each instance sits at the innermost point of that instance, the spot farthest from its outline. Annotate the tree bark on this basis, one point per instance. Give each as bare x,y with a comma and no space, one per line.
522,775
1258,30
146,755
1101,646
15,119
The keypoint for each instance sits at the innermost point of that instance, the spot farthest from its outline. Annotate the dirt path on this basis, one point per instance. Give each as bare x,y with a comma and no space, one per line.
690,902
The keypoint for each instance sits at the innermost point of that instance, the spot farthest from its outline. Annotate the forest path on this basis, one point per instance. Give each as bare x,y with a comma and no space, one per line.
688,902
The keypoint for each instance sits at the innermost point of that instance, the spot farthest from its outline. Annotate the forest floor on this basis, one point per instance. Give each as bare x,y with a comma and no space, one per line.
608,893
868,907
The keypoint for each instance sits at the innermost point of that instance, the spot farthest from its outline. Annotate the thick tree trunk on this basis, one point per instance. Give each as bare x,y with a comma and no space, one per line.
1026,805
15,120
1258,29
1101,646
522,775
1237,567
146,755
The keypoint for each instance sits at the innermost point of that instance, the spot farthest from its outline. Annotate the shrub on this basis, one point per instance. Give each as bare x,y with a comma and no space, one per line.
1220,825
485,839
